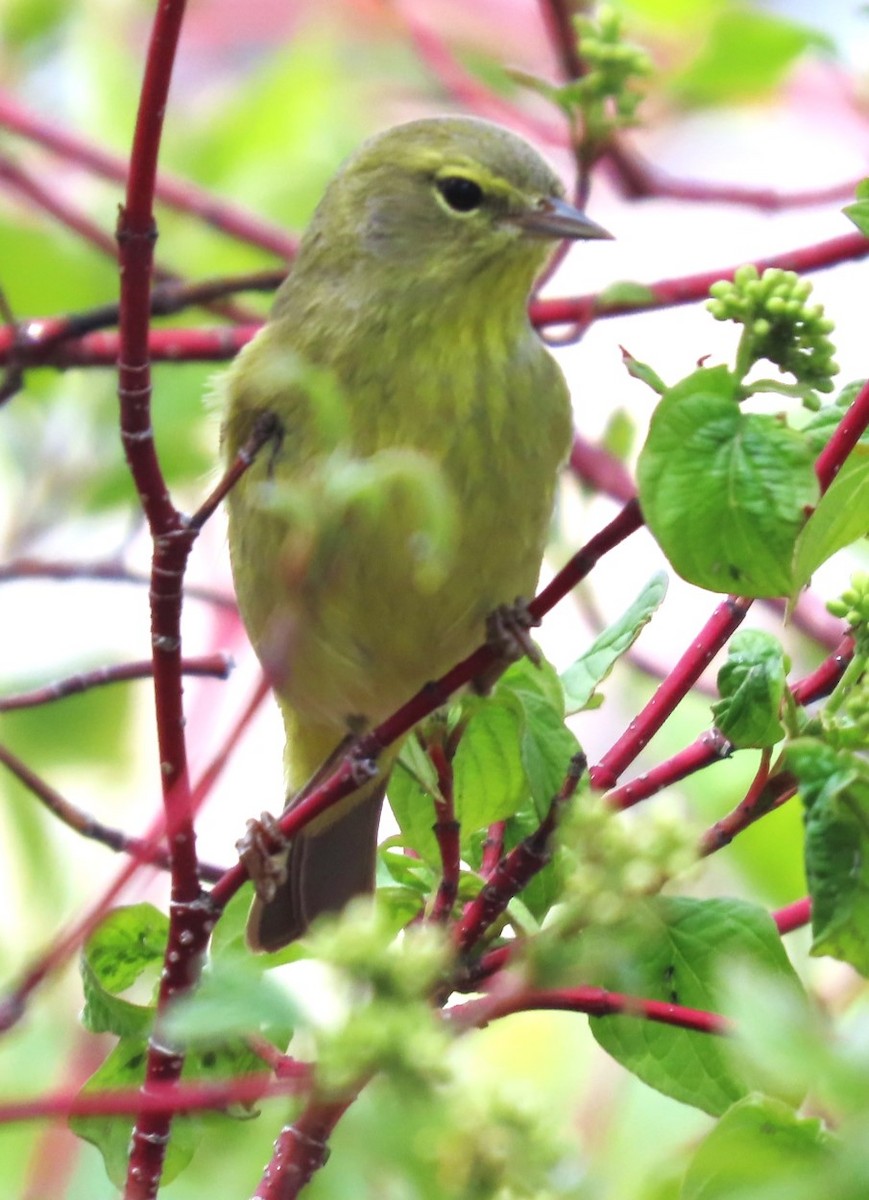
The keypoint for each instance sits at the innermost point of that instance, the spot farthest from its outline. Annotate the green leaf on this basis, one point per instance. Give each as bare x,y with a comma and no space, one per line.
546,745
643,372
625,294
488,777
752,685
859,211
677,952
593,666
722,491
758,1140
234,998
834,785
746,54
840,518
413,807
125,1068
129,942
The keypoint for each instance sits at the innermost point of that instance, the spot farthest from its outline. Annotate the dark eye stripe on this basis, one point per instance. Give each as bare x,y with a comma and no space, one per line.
461,194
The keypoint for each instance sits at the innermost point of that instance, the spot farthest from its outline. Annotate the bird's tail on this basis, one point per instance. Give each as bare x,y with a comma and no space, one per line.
331,860
326,868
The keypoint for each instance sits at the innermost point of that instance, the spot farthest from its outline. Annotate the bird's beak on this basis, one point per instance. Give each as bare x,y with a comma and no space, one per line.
555,218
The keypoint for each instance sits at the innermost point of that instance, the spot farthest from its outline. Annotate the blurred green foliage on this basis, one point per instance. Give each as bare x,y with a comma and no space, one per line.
533,1109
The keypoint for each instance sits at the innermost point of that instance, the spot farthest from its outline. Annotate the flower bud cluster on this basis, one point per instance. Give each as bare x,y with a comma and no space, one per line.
613,860
389,1024
613,70
779,323
853,605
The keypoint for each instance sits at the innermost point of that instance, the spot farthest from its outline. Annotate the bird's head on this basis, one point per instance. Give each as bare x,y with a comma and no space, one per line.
445,200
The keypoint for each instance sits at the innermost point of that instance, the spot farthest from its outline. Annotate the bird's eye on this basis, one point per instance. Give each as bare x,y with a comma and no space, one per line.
461,194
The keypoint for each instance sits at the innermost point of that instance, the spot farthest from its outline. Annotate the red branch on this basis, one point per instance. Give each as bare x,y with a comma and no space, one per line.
355,767
176,193
109,571
302,1148
215,666
175,1098
793,916
597,1002
39,342
638,179
825,677
710,747
144,850
846,436
688,289
447,831
493,848
189,924
515,869
724,621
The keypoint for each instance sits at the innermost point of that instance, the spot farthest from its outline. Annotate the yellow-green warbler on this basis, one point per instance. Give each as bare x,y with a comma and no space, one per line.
421,424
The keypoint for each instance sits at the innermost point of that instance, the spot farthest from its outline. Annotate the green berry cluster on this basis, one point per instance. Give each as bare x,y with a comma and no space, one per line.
845,717
853,605
609,865
607,94
778,324
388,1024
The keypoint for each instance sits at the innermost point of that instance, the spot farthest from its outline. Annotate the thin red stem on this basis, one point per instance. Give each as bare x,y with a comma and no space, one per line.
597,1002
724,621
846,436
174,192
793,916
215,666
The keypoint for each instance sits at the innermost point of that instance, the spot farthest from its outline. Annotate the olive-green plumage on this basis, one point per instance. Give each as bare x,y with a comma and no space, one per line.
423,425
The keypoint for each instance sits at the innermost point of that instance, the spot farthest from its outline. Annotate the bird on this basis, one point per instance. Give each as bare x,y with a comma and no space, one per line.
420,426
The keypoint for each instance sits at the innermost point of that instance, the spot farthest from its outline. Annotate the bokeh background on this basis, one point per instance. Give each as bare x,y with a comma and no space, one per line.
268,98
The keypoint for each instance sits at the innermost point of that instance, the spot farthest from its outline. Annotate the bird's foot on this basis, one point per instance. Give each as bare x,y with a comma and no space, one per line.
264,852
507,633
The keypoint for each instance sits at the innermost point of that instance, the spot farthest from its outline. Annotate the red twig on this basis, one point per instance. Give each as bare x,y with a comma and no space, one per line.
726,618
637,179
101,349
355,766
766,793
466,90
825,677
597,1002
793,916
220,344
558,18
31,189
216,666
710,747
601,470
34,191
175,1098
109,572
189,924
302,1148
13,1003
144,850
447,831
176,193
688,289
517,868
844,439
493,848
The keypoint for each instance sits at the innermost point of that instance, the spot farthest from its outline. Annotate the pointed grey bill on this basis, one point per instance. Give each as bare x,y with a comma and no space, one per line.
555,218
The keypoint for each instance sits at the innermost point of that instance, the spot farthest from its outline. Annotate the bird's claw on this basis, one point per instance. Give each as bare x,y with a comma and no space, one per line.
507,633
263,852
